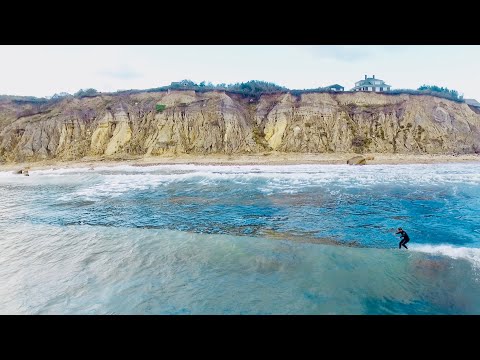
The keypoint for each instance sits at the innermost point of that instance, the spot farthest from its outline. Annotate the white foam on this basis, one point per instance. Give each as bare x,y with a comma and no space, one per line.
96,169
470,254
366,174
116,180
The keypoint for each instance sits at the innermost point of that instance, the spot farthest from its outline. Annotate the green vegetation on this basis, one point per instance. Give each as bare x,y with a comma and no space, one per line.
446,95
255,88
86,93
24,100
29,100
437,89
159,108
251,89
61,95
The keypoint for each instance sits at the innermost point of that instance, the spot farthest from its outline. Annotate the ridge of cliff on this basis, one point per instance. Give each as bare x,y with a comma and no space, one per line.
181,122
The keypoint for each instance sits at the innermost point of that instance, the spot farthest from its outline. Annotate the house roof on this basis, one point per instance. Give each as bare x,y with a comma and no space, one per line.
368,83
335,86
472,102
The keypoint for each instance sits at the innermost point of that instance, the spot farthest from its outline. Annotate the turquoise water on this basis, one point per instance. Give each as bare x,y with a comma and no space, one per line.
186,239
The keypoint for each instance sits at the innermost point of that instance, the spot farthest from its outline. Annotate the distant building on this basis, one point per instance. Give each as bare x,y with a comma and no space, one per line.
371,84
180,84
334,87
473,102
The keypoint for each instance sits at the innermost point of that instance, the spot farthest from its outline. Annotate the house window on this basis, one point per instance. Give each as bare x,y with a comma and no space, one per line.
381,89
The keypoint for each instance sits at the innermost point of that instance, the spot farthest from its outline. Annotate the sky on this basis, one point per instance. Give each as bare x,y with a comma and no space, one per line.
43,70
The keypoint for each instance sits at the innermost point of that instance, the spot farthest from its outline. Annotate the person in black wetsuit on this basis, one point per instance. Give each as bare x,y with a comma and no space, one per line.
404,238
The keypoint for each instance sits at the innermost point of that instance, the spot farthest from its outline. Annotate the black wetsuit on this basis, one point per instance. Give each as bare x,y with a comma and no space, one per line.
404,239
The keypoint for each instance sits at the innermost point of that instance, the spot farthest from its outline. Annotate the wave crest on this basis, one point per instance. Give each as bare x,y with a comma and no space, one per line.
455,252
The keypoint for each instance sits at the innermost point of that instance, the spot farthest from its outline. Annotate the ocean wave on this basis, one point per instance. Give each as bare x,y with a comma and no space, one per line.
416,173
470,254
270,178
258,168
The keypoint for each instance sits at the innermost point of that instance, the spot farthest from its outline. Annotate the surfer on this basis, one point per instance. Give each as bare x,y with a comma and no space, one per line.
404,238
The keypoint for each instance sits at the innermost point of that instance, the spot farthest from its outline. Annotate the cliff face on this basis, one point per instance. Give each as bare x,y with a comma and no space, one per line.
214,122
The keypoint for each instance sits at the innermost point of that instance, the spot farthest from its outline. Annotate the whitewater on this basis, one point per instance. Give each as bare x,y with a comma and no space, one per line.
243,239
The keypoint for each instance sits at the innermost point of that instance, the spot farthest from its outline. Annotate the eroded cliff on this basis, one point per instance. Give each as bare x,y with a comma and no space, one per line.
218,122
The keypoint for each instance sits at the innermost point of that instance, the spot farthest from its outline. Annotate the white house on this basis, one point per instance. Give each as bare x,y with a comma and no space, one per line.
371,84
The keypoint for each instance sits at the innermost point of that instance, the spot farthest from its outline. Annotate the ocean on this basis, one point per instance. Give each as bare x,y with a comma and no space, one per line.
198,239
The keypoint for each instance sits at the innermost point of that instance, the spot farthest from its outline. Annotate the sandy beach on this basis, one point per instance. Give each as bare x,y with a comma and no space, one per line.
272,158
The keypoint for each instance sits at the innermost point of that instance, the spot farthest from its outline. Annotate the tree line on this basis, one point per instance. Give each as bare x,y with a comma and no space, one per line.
253,88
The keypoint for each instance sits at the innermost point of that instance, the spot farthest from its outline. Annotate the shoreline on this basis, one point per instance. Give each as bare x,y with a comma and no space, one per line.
244,159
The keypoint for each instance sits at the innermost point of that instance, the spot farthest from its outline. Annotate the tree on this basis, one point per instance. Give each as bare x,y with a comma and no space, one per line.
256,87
453,94
86,93
60,95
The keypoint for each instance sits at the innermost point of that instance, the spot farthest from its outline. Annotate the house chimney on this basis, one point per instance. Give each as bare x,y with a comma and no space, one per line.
374,76
365,77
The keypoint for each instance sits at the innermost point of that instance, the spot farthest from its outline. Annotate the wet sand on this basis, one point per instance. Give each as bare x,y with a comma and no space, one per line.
272,158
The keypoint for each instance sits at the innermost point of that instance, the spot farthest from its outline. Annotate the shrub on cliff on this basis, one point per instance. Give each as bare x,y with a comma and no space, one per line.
451,94
445,95
249,88
86,93
160,107
255,87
